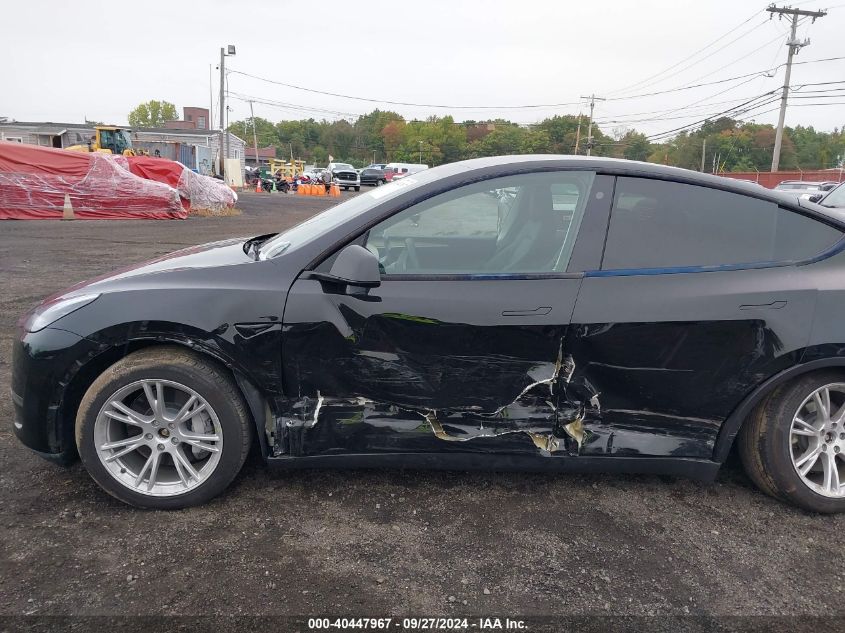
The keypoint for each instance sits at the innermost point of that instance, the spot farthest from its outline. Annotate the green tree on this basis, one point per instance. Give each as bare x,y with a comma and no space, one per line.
152,114
635,146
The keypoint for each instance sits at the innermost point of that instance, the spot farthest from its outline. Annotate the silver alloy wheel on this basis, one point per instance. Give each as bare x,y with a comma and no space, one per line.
158,437
817,440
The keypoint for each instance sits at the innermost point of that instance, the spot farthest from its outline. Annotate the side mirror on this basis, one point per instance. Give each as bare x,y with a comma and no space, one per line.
816,197
354,266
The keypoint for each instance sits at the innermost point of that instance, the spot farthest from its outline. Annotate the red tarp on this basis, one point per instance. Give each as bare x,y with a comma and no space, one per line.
34,181
197,191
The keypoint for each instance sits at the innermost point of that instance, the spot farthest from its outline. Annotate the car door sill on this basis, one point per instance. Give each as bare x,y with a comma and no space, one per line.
697,469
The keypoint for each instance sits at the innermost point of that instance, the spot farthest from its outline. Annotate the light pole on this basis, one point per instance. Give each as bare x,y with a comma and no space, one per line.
374,157
421,152
229,51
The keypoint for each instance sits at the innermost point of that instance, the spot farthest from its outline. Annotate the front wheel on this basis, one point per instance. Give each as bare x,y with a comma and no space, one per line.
793,445
357,188
163,428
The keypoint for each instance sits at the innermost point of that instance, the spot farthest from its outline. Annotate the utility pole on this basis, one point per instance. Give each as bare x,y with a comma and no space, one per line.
578,134
254,137
224,135
794,46
592,99
221,149
703,153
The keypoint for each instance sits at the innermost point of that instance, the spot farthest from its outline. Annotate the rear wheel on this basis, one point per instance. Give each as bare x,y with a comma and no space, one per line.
163,428
793,445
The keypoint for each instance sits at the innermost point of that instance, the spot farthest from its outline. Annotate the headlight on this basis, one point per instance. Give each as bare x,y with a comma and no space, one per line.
53,310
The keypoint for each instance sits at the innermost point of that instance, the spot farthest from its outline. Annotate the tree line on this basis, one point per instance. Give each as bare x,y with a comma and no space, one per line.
384,136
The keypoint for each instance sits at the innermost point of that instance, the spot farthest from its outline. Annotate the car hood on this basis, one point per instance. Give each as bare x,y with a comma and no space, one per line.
834,213
212,255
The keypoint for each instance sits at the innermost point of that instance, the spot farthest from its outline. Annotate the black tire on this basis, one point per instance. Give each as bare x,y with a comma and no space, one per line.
200,374
346,188
765,450
357,188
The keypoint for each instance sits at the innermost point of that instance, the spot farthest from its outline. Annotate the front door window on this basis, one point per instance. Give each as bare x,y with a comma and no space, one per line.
517,224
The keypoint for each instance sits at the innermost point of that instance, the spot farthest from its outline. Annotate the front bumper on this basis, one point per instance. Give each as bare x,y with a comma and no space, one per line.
347,183
43,365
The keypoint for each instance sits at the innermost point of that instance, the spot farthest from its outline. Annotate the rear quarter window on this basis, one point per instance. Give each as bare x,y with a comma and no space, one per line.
662,224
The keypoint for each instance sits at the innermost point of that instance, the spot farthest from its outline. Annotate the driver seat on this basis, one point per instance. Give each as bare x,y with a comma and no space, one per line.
530,242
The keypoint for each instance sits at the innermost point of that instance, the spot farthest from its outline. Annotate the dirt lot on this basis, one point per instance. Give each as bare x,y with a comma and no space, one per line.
375,542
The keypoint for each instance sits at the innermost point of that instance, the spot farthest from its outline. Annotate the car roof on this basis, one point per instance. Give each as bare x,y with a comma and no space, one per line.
624,167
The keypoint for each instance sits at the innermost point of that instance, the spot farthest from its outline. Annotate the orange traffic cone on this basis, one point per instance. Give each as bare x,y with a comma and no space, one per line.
258,186
334,191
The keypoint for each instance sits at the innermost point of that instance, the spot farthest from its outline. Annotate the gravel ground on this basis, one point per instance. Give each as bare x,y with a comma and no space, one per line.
375,543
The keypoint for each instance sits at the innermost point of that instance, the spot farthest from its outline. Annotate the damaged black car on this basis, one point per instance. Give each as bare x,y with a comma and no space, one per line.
512,313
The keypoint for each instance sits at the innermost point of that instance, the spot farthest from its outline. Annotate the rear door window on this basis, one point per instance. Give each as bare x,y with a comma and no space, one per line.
663,224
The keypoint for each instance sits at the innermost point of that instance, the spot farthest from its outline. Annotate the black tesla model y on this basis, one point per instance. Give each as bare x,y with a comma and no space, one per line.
512,313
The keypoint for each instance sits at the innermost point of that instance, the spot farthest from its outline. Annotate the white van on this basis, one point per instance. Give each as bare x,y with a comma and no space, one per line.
400,170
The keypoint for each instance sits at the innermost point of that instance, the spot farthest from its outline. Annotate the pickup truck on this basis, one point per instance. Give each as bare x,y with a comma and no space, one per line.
345,175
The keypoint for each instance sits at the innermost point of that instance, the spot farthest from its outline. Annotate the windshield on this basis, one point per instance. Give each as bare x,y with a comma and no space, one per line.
785,186
342,166
331,218
835,198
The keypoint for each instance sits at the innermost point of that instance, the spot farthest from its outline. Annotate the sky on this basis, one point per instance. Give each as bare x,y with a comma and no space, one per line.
484,59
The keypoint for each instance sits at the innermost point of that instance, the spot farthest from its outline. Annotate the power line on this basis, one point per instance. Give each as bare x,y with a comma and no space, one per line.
666,112
290,106
526,106
404,103
701,50
647,83
758,73
735,110
701,111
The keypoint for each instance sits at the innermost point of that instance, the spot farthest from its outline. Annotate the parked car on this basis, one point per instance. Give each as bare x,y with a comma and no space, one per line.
804,188
833,199
373,176
345,175
522,312
400,170
388,173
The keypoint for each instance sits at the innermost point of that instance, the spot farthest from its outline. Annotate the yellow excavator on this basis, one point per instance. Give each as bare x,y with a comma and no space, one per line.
108,139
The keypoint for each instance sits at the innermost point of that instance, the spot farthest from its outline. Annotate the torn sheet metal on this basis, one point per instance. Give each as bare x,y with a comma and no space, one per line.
539,412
